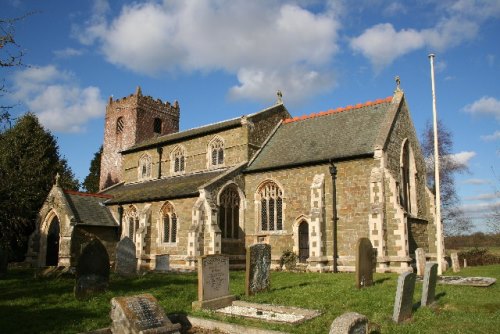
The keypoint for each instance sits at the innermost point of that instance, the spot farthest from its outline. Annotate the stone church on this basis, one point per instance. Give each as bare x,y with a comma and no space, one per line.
313,185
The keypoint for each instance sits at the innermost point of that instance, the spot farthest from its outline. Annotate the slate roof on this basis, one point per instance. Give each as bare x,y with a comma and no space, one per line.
88,209
162,189
200,131
335,134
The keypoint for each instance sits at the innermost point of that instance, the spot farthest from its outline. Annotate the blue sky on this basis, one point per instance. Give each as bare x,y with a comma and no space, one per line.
222,59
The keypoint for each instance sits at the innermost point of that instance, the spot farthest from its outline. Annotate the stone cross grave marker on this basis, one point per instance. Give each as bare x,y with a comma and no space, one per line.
92,270
454,262
140,314
420,260
258,268
126,261
429,284
213,282
162,262
404,297
350,323
364,263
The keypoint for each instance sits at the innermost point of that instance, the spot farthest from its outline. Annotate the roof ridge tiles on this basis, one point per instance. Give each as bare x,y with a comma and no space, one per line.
338,110
78,193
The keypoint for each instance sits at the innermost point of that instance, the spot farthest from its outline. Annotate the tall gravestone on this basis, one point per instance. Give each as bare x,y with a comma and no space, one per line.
420,260
162,262
258,268
126,260
213,282
404,297
140,314
364,263
92,271
429,284
350,323
454,262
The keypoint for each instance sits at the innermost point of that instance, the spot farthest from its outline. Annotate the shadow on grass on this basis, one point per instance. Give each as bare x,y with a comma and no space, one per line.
290,286
381,280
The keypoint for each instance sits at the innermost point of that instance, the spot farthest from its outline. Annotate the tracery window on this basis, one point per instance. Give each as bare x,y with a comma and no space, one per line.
178,158
271,207
168,233
131,223
216,150
229,212
120,123
145,167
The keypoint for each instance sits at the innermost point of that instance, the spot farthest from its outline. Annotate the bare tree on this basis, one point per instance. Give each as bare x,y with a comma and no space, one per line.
454,219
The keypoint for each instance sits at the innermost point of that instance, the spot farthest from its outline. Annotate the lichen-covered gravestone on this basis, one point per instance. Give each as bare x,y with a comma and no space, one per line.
350,323
258,268
429,285
213,282
404,297
364,263
162,262
420,260
92,271
454,262
140,314
126,261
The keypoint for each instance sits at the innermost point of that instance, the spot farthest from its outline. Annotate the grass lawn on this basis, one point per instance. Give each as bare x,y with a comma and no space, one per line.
29,305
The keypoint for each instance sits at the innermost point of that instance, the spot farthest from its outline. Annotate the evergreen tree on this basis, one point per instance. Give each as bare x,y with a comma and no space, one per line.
29,162
91,182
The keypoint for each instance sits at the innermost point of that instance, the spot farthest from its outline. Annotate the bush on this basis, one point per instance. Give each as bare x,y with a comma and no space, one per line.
288,259
478,257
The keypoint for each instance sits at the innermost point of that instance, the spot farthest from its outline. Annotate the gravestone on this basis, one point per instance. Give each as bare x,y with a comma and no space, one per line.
126,261
92,271
350,323
364,263
420,260
465,263
258,268
162,262
213,282
140,314
454,262
4,261
429,285
404,297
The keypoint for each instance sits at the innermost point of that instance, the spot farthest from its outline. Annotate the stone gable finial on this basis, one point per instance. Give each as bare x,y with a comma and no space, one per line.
58,177
398,84
280,97
138,91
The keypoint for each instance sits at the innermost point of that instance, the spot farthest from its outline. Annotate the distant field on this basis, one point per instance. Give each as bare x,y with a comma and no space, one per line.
29,305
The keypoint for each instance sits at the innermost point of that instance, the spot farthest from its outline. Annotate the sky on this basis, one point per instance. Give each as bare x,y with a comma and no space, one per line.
226,58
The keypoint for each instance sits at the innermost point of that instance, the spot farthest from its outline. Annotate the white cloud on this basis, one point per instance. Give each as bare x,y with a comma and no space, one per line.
480,210
486,105
395,8
477,181
483,197
68,52
492,137
239,37
462,158
60,104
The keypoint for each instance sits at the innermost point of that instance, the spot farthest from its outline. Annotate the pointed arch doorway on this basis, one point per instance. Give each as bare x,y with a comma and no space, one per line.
52,256
303,241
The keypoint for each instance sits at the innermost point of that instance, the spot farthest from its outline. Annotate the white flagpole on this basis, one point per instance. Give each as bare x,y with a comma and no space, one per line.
439,227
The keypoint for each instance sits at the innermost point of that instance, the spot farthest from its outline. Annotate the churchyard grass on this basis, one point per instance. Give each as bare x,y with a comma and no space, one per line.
47,305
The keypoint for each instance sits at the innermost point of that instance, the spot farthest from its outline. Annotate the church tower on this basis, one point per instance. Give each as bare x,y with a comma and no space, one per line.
129,121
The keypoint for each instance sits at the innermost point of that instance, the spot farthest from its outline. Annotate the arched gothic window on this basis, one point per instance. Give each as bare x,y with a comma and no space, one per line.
120,123
271,207
229,212
131,223
168,232
178,158
216,152
145,167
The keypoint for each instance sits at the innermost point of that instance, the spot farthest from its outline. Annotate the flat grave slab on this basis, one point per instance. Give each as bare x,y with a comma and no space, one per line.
269,313
467,281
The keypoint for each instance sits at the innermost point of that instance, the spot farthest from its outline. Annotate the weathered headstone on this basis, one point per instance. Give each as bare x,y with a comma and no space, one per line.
162,262
420,260
140,314
92,271
429,285
126,261
454,262
213,282
364,263
465,263
258,268
350,323
3,261
403,303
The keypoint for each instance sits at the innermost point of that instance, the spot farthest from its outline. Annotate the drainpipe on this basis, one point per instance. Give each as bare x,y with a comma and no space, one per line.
333,173
160,153
120,220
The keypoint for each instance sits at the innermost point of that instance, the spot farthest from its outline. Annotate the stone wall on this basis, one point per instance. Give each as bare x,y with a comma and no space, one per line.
418,235
82,235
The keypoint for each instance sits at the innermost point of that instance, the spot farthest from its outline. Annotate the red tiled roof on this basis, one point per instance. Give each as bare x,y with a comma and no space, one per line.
72,192
333,111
